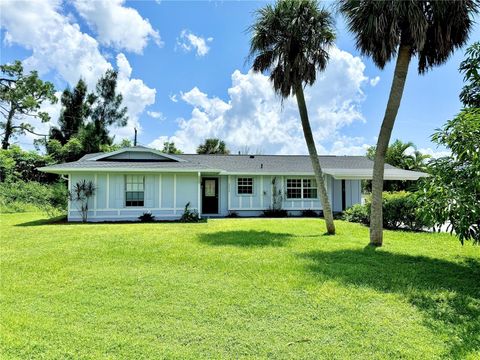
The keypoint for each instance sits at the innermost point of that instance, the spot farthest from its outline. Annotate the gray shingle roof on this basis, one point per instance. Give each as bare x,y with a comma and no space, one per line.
338,166
278,163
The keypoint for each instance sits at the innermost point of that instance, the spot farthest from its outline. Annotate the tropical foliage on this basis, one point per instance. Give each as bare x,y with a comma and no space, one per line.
213,146
170,148
451,194
399,212
290,41
429,30
403,155
80,194
20,165
470,68
189,215
23,196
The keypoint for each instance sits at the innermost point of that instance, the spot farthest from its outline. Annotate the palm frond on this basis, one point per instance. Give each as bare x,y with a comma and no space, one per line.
290,40
431,29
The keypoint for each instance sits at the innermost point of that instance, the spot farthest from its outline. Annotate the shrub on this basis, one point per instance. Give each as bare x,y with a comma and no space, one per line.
189,215
19,165
81,192
310,213
24,196
16,207
146,217
399,211
273,212
232,214
357,213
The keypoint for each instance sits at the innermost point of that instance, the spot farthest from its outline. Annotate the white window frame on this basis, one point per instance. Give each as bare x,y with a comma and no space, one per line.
126,191
252,186
302,187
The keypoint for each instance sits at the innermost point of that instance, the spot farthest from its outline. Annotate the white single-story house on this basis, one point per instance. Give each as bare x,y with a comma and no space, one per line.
135,180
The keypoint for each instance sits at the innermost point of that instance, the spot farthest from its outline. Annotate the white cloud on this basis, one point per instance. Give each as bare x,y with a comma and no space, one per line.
173,98
158,143
116,25
136,96
58,45
254,116
188,41
435,153
156,115
346,145
374,81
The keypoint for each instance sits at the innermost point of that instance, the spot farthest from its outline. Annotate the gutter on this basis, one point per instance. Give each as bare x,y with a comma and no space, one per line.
339,174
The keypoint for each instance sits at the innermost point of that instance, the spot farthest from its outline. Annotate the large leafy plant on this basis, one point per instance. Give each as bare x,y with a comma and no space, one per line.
81,192
451,194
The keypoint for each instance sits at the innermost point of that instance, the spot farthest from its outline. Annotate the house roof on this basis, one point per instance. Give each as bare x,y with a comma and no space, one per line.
340,167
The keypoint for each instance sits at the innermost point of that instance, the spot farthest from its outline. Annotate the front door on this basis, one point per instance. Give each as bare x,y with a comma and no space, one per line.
210,195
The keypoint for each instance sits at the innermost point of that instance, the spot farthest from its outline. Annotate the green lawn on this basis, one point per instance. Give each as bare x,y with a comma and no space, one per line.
237,288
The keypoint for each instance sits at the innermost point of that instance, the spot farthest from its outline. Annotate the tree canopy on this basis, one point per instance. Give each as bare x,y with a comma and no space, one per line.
403,155
106,111
451,194
432,30
86,118
76,107
213,146
290,41
170,148
21,98
470,68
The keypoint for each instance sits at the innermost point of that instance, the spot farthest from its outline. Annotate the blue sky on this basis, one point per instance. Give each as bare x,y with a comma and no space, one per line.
184,76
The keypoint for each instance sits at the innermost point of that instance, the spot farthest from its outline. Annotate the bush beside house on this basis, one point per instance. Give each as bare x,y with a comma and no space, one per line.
399,212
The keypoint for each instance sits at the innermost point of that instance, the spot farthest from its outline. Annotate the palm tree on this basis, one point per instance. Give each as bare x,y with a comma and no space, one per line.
213,146
417,161
396,154
290,40
431,30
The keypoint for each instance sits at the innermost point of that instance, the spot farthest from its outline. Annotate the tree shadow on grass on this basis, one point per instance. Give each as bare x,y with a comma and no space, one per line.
242,238
57,220
62,220
447,293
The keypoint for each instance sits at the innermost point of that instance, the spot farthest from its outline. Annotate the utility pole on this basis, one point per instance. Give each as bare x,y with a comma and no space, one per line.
135,138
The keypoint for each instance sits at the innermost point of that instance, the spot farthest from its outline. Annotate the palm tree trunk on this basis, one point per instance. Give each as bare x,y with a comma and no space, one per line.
312,150
8,129
394,99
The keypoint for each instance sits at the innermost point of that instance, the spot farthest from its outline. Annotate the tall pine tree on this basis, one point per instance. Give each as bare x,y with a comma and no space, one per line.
107,110
76,107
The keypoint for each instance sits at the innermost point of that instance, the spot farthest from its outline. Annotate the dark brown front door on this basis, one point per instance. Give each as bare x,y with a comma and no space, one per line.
210,195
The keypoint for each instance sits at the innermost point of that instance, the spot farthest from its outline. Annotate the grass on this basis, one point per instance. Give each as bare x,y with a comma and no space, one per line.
236,288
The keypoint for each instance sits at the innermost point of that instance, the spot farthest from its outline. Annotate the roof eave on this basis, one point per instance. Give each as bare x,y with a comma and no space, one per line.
122,170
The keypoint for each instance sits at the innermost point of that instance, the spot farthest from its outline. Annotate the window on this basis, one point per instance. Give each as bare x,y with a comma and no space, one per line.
309,189
245,186
301,189
134,194
294,188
